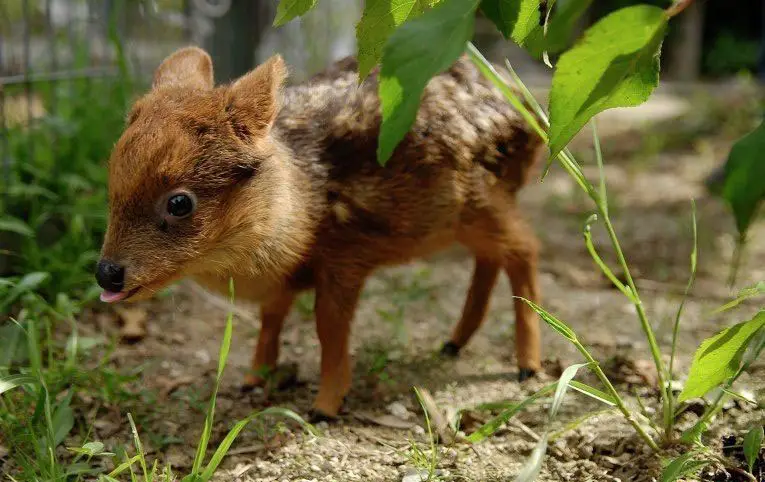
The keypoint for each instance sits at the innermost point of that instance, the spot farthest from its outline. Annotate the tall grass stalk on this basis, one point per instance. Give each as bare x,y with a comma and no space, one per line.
574,169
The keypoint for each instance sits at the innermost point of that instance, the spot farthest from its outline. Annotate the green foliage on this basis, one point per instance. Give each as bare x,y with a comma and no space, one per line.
755,290
379,20
719,357
37,412
684,466
743,188
520,20
752,444
289,9
606,69
487,429
54,197
416,51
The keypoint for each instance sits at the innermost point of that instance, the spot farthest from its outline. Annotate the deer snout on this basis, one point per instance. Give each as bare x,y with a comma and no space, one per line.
110,276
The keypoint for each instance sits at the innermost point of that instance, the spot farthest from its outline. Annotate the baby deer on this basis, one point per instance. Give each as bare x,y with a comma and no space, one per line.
279,188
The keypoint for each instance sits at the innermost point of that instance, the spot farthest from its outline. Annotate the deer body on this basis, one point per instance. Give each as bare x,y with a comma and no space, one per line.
280,189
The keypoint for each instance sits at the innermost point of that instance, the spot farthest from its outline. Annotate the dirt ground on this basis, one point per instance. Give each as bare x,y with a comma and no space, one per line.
408,312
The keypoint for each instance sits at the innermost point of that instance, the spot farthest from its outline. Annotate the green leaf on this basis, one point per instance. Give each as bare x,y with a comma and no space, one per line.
743,188
718,358
555,323
616,64
289,9
560,29
379,19
13,225
225,445
515,19
415,52
752,444
63,421
746,293
10,382
521,21
28,283
495,423
682,466
560,391
592,392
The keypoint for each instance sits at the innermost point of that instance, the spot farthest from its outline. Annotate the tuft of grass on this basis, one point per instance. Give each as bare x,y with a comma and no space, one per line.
37,414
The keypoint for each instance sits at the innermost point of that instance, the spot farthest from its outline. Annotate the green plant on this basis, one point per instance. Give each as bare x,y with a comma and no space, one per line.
615,64
36,435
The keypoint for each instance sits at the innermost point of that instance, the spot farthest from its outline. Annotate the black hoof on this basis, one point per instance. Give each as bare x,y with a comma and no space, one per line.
316,416
450,349
525,373
246,388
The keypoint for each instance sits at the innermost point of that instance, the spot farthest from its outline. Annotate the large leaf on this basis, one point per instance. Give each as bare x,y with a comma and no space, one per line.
515,19
289,9
718,358
616,64
415,52
522,21
379,20
743,188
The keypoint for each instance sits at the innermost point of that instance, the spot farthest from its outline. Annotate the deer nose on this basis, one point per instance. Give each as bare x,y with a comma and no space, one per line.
110,276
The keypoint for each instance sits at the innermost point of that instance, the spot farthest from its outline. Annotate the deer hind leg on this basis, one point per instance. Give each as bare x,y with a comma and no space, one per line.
497,232
521,268
473,313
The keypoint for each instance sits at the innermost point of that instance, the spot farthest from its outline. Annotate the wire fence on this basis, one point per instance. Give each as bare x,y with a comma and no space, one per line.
49,46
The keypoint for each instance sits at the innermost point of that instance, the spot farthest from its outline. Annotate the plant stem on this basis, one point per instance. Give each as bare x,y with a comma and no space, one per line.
652,343
595,367
678,7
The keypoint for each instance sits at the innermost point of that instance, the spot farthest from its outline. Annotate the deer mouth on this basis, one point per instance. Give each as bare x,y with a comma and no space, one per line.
113,297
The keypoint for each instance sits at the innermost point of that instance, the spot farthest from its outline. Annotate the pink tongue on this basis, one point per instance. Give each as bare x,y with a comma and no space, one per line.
111,297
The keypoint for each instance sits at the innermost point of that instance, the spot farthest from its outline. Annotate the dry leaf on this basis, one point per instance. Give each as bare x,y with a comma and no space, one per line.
169,385
386,420
437,418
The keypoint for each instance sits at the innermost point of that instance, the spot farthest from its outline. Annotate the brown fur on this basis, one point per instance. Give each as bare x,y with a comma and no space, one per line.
290,196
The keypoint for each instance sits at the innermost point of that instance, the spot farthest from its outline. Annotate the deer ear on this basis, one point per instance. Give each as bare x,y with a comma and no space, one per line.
254,99
187,67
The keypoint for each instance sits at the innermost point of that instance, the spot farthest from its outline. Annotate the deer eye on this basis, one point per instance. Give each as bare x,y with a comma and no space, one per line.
180,205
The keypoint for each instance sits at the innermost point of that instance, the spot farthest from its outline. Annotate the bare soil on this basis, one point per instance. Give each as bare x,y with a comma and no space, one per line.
408,312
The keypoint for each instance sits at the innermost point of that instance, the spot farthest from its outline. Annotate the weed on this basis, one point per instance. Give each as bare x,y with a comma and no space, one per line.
37,414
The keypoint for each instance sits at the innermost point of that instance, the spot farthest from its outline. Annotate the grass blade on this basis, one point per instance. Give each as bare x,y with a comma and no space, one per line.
488,429
533,466
560,391
10,382
746,293
548,318
225,445
204,439
124,466
592,392
691,279
138,447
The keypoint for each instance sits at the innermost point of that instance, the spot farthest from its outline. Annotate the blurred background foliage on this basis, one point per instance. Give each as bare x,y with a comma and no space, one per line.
69,68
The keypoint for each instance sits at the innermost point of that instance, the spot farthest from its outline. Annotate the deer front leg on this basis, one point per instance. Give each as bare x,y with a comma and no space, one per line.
336,297
272,315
